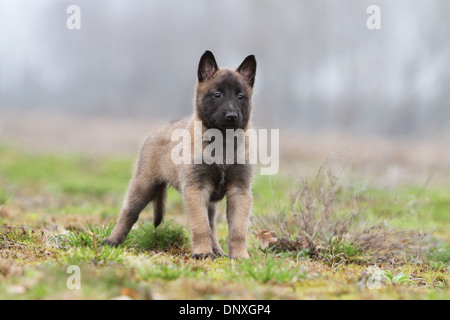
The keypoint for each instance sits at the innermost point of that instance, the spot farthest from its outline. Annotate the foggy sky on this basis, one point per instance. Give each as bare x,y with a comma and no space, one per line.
319,67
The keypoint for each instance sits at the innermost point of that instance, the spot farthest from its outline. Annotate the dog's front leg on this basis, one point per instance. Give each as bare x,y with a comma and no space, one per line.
239,203
197,200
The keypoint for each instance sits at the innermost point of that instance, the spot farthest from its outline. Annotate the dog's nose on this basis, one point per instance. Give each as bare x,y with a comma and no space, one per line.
231,116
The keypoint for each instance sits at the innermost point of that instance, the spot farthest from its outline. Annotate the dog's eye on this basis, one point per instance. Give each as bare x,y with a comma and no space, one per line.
217,95
241,96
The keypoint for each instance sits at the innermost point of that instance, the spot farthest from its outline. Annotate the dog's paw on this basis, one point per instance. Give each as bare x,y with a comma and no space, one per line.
239,255
220,253
203,256
112,242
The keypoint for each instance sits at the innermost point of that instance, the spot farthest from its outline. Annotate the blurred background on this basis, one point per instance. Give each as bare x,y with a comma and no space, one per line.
324,79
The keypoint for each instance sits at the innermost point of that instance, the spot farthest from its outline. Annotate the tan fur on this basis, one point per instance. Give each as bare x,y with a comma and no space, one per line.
155,170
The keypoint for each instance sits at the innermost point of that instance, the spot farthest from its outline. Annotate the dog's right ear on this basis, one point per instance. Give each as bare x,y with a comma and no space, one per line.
207,66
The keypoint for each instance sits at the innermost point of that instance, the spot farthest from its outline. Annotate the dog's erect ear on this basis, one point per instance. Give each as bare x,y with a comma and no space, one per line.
207,66
248,69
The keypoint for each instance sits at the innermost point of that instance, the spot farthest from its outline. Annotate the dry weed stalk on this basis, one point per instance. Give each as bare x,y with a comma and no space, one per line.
313,222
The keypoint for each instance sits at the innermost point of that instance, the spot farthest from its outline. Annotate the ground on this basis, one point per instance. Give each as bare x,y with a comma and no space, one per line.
59,200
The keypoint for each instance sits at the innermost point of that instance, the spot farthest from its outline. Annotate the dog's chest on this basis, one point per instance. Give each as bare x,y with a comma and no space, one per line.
219,181
221,177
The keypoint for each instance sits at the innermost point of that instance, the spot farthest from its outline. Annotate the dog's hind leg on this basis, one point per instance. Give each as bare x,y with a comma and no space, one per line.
140,193
159,204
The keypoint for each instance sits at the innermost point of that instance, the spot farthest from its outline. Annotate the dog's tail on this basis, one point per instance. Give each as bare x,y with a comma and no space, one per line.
159,204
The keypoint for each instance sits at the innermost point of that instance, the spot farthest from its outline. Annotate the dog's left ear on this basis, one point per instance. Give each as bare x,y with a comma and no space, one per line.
248,69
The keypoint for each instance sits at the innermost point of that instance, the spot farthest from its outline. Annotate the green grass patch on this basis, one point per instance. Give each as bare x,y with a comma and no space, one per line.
64,174
167,272
270,270
167,236
90,236
327,238
440,254
102,255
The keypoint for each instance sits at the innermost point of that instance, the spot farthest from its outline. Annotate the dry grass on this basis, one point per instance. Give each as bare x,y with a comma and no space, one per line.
325,224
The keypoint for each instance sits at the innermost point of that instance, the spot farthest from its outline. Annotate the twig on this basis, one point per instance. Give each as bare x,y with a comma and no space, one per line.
5,238
94,239
16,227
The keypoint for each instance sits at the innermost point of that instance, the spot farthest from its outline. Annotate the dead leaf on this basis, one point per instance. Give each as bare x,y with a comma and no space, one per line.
128,292
266,238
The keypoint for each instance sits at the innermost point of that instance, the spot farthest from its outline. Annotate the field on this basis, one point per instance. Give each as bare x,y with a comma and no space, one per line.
325,229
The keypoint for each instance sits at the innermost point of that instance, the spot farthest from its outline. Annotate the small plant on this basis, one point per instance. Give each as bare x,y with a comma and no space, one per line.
146,237
22,236
440,254
399,278
350,250
96,256
84,238
437,265
341,252
166,236
166,272
271,270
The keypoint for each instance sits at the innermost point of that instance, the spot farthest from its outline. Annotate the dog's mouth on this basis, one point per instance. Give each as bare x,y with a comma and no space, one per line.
224,125
229,127
223,121
234,127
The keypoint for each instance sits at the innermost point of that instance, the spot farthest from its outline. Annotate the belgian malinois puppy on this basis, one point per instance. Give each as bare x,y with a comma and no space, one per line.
222,102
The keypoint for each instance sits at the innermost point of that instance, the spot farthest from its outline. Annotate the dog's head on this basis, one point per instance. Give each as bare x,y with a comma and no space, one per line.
223,96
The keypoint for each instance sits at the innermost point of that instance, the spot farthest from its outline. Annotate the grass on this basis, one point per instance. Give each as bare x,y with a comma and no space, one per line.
271,270
324,238
168,236
440,254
